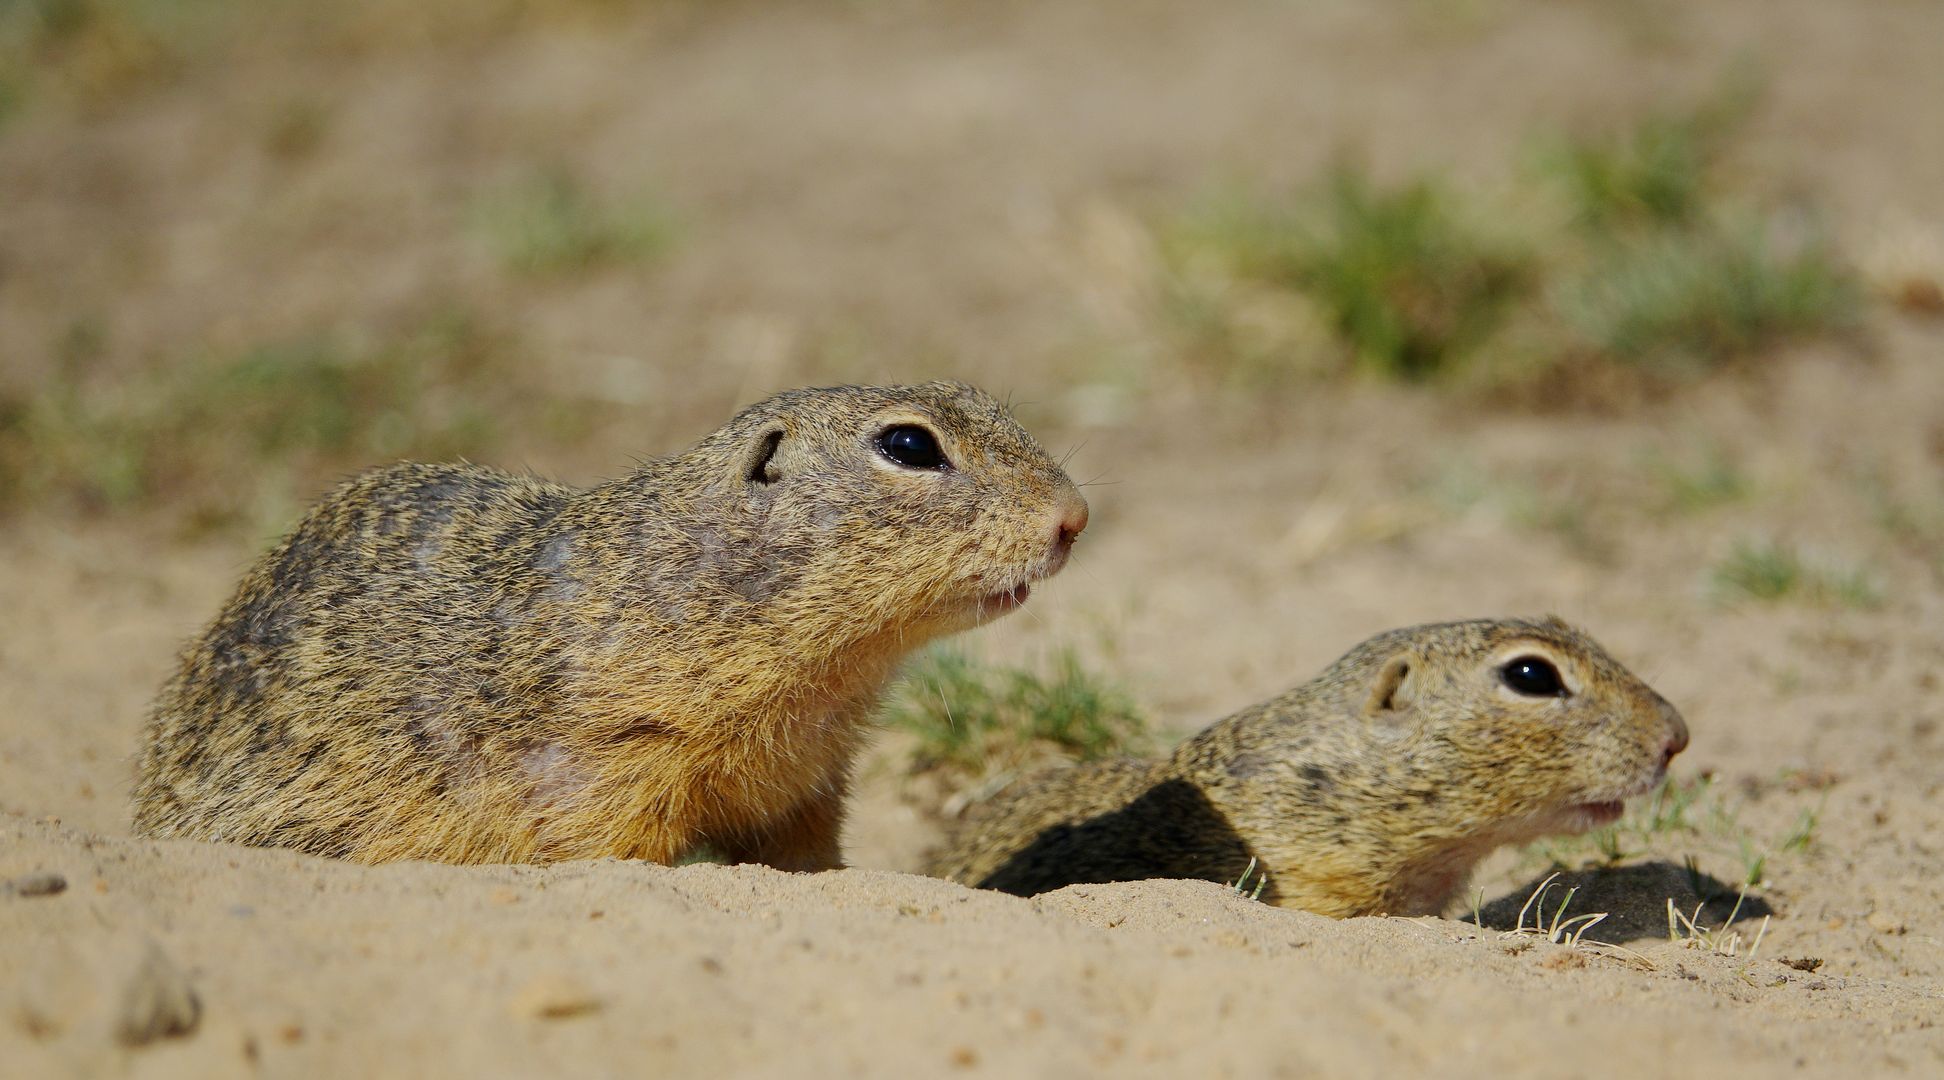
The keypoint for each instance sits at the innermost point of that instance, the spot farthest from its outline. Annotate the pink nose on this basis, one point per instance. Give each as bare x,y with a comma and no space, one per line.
1073,519
1677,736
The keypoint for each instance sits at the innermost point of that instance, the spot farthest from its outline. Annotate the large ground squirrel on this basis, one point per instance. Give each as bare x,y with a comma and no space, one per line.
452,663
1374,787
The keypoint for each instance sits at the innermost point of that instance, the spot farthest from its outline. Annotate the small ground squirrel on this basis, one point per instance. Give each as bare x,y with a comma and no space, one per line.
453,663
1374,787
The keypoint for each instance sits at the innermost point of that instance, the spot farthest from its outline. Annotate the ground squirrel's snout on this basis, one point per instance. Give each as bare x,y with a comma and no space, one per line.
1070,513
1677,734
1069,519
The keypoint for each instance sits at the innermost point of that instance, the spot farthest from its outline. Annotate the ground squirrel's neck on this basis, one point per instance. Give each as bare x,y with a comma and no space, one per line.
1368,823
702,615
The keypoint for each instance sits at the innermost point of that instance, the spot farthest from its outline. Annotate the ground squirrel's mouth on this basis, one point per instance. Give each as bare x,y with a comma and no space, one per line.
987,606
1595,815
1004,601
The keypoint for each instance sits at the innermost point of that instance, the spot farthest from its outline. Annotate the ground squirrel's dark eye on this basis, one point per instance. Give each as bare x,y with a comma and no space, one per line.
1533,677
912,446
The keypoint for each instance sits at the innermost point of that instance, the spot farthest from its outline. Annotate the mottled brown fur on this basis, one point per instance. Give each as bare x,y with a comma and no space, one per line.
452,663
1375,787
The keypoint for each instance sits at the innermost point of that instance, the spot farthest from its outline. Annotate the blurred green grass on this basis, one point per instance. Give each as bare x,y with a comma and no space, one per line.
1406,284
1664,170
228,438
1634,250
973,719
1631,253
1697,299
98,52
1772,571
550,224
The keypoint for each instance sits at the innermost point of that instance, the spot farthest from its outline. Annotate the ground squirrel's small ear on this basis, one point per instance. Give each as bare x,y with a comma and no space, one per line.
760,467
1391,691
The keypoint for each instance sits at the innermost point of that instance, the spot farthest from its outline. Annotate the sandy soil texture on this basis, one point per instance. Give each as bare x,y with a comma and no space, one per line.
903,190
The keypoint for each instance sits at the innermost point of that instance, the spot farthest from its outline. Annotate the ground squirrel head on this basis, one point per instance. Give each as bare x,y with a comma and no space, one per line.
1379,784
1530,723
909,510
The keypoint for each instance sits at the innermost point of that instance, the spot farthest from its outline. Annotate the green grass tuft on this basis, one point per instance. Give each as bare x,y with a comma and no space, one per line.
1766,571
93,52
1803,835
1693,487
551,225
229,437
1657,271
1405,282
973,718
1660,172
1400,276
1770,571
1698,299
13,95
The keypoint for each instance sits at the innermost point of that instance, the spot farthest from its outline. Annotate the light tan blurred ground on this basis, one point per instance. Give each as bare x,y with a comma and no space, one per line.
902,190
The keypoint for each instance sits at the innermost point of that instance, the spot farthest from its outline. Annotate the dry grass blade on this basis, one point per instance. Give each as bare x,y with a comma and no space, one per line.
1570,932
1241,884
1688,930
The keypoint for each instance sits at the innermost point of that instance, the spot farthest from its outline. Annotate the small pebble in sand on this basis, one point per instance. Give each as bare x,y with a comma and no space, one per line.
157,1003
555,997
37,885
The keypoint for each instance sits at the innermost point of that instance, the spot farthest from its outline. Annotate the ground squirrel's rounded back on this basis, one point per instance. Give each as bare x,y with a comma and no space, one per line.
453,663
1375,787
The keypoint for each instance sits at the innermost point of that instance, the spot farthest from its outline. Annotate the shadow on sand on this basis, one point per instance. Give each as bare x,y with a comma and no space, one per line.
1634,898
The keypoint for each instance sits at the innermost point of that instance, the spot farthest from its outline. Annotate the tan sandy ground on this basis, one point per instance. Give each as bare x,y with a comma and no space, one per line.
932,180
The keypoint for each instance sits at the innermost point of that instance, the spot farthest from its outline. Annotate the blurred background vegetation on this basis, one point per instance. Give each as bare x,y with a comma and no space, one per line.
251,247
1629,250
1544,266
